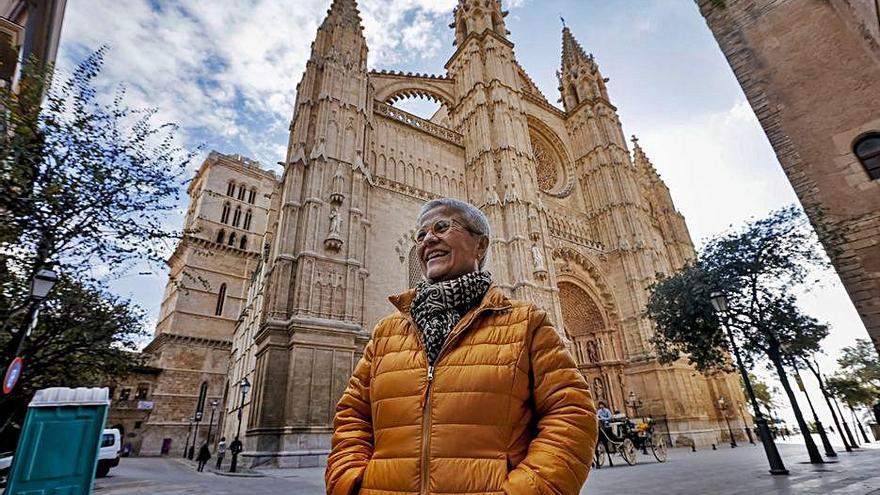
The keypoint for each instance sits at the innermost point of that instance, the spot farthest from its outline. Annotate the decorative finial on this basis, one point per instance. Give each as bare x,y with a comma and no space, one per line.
563,21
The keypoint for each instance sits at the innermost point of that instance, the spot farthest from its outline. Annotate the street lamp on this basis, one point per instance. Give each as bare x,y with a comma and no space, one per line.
188,434
634,402
214,404
245,386
192,448
719,302
722,404
41,284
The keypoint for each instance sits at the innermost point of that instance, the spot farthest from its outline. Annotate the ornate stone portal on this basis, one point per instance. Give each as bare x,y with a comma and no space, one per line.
580,227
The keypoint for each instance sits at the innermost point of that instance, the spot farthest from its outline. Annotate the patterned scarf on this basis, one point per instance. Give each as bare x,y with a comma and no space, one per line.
439,306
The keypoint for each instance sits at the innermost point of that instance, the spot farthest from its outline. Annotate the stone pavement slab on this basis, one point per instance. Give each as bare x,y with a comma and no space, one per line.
740,471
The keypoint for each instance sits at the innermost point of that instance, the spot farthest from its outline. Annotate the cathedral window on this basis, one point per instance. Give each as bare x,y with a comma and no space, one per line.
232,239
241,192
248,216
221,298
252,196
230,189
867,149
221,236
549,168
224,216
236,217
243,243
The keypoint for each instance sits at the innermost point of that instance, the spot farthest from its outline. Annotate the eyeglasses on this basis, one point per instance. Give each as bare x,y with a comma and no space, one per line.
439,229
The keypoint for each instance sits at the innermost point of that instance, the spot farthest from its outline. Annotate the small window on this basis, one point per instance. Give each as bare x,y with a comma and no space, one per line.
142,392
221,236
252,196
106,440
231,239
221,298
241,192
224,216
248,215
236,217
867,149
125,394
138,425
243,243
230,189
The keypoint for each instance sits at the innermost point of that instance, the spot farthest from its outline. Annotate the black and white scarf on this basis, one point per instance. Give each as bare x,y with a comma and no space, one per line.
438,306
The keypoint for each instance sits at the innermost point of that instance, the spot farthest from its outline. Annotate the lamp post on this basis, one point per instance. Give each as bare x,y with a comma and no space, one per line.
719,302
188,434
634,402
245,386
722,404
746,425
41,284
214,404
192,448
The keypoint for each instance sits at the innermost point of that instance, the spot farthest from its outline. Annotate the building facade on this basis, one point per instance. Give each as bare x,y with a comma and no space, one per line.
811,71
28,28
580,226
210,273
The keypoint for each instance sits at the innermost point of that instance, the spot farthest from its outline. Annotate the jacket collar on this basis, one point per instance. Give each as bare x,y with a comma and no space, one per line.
493,299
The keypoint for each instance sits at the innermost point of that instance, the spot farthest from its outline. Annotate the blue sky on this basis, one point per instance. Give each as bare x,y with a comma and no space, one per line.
226,71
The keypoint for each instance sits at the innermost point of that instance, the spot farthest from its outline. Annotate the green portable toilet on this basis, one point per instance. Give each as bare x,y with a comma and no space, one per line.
58,448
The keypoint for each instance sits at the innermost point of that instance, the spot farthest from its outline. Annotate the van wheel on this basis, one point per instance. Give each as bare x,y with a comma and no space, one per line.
103,470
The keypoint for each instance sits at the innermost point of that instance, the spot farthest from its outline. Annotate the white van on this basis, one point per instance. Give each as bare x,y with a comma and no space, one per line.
108,457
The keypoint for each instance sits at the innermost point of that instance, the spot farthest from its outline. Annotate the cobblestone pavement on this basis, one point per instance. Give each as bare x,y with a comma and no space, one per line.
723,472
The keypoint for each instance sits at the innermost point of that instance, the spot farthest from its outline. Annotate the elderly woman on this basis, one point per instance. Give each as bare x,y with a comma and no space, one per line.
462,390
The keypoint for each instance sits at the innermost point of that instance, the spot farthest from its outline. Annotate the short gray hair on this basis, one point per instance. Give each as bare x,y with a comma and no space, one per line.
470,215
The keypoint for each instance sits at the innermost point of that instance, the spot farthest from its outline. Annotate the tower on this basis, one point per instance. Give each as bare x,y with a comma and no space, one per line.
312,321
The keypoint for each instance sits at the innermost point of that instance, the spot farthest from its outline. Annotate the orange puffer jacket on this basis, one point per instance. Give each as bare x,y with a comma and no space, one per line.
504,410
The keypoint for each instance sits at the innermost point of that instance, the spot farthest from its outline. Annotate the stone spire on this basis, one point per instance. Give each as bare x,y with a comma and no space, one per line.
341,36
640,159
477,17
579,76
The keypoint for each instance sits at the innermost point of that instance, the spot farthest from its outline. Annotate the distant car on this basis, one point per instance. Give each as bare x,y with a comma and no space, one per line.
108,456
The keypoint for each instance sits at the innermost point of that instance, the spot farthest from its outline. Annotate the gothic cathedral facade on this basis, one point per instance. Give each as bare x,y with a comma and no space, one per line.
579,226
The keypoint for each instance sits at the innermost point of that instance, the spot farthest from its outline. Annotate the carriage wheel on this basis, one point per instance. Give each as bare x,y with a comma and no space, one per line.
601,455
628,451
658,447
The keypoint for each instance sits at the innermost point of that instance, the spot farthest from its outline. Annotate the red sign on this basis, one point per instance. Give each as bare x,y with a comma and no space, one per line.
13,372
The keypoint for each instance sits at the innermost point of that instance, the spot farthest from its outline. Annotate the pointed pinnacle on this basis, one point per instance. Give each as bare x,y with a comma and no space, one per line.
343,12
572,52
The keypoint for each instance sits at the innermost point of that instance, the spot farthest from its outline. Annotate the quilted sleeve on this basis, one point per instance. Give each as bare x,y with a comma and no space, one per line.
352,443
560,455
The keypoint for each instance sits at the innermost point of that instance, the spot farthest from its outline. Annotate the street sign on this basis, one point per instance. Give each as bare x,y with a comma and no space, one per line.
12,375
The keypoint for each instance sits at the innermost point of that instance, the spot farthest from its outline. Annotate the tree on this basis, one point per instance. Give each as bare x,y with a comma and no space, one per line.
862,361
852,391
763,392
85,185
84,336
757,268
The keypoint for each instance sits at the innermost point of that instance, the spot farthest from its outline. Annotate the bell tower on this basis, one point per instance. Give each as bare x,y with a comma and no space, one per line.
499,162
312,330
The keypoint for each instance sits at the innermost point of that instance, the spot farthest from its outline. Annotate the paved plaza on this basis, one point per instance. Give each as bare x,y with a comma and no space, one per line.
723,472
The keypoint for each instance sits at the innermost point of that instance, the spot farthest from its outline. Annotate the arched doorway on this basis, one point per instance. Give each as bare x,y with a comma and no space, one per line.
593,341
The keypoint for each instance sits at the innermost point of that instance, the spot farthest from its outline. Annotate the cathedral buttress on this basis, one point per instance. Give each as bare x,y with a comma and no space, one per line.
499,164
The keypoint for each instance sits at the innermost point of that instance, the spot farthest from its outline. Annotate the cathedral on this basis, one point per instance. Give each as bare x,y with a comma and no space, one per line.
581,225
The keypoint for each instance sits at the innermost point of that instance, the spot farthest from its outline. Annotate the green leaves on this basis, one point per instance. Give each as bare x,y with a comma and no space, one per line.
756,268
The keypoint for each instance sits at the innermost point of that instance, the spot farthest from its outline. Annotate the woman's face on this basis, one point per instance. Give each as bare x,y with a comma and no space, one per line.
451,254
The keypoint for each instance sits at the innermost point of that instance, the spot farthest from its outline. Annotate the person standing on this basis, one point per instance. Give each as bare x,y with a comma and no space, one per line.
221,451
462,390
604,416
204,455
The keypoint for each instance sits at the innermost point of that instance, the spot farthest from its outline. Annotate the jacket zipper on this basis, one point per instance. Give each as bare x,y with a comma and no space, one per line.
426,402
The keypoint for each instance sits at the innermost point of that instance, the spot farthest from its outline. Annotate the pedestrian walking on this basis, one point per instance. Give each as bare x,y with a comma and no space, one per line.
203,457
221,451
462,390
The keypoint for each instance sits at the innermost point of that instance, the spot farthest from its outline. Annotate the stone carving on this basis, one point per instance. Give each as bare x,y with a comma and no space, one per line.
333,241
598,389
336,194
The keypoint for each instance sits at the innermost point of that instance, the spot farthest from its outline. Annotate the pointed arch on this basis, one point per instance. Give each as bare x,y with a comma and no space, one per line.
221,300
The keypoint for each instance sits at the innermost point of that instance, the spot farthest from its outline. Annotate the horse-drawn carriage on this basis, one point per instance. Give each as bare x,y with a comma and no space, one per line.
626,436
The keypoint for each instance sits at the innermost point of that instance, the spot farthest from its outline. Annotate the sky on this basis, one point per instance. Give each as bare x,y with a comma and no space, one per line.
226,72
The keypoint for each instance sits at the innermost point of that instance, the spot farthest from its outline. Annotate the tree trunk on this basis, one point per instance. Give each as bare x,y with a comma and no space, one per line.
812,450
826,396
